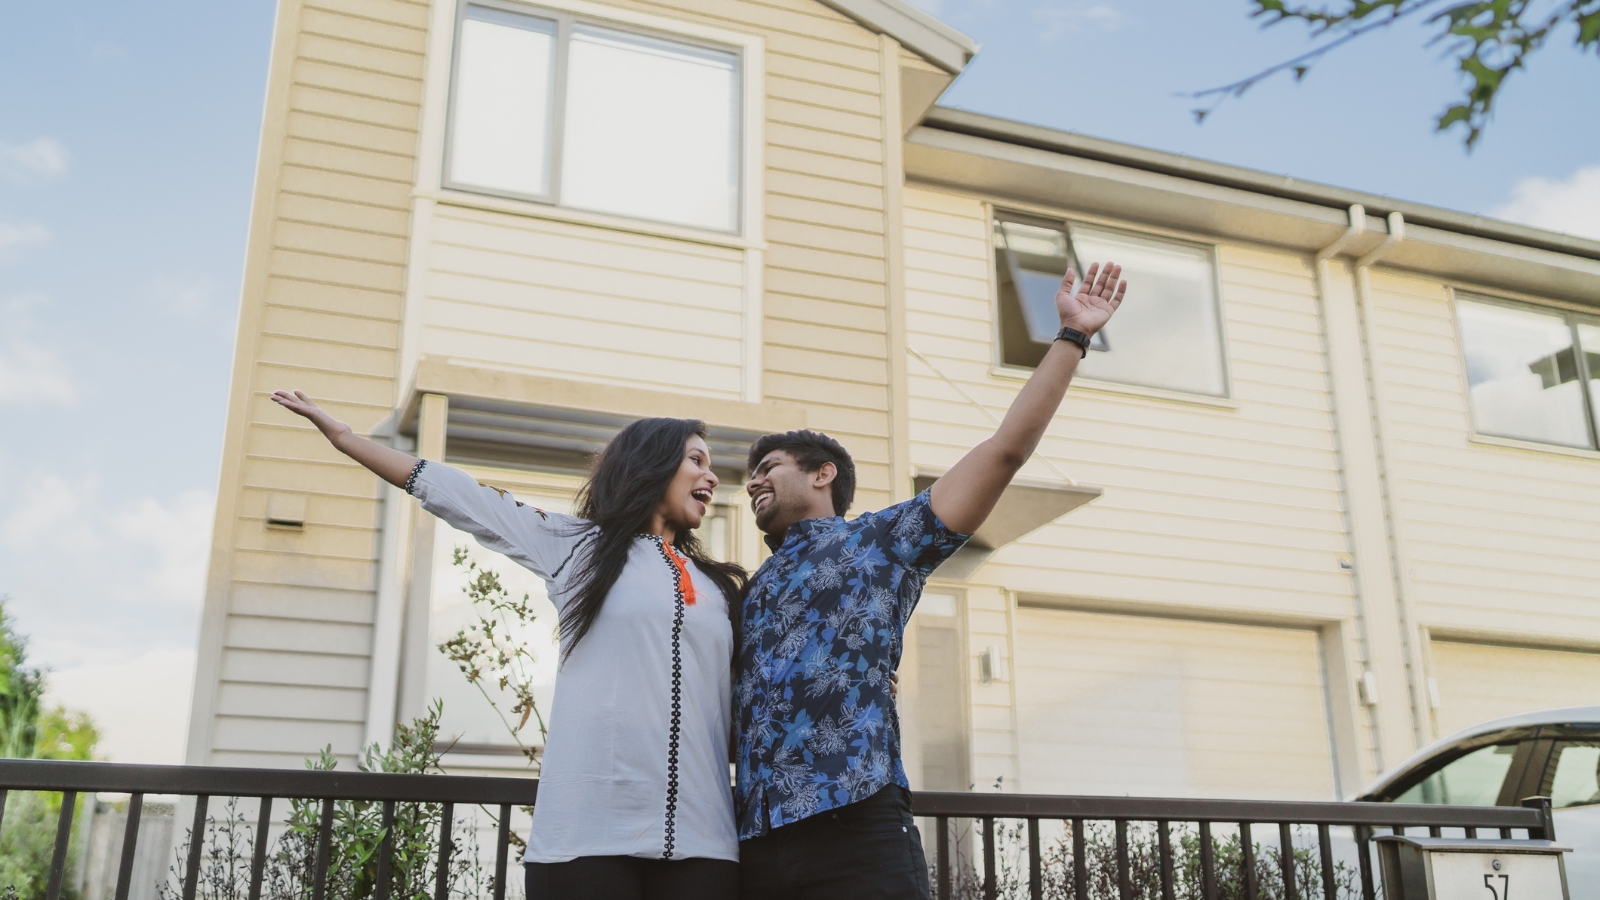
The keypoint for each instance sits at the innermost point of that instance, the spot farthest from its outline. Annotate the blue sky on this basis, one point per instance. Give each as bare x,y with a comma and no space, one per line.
127,149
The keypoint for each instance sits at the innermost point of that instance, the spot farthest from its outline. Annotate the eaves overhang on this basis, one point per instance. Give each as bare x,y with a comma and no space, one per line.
1006,160
914,29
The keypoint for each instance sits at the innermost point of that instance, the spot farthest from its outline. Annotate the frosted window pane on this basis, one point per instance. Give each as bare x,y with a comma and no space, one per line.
500,133
1166,335
1589,341
1522,374
651,130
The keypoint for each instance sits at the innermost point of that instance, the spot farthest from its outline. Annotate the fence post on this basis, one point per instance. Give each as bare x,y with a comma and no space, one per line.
1547,820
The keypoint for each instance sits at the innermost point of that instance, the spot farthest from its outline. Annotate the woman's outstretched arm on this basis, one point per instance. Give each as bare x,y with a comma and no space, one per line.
386,462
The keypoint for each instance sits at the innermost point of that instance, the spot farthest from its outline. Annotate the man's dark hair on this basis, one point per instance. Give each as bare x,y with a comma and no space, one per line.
810,450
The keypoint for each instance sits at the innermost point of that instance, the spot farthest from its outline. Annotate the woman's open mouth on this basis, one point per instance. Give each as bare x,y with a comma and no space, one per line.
703,495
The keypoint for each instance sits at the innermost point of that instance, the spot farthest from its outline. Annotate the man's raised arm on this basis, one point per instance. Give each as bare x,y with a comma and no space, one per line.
965,495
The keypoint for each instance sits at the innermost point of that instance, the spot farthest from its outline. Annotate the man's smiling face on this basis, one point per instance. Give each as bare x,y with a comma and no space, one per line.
782,493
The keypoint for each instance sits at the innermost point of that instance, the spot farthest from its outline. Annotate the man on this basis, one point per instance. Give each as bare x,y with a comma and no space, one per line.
821,797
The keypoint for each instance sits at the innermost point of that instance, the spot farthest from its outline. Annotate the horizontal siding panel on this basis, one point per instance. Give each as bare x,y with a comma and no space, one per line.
287,736
383,60
329,299
817,187
342,329
317,354
264,600
828,143
313,126
821,237
531,312
359,82
334,241
792,308
349,174
815,71
806,259
344,214
318,704
336,270
397,12
363,31
248,632
276,667
354,108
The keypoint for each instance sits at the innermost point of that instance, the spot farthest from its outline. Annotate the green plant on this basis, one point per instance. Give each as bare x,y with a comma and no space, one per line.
30,731
1059,875
489,653
357,834
1491,39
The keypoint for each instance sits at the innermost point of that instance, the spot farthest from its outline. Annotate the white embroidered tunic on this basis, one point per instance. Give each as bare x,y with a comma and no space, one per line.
637,758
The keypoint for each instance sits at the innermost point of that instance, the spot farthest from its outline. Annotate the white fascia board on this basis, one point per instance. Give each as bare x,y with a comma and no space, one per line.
917,31
1003,171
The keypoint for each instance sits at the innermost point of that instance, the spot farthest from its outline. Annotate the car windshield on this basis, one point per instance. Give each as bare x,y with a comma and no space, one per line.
1470,780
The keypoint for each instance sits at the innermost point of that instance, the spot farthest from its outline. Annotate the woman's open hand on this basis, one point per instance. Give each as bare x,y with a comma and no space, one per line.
298,403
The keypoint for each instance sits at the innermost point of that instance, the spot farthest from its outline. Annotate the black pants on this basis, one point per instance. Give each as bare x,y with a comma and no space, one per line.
868,849
631,878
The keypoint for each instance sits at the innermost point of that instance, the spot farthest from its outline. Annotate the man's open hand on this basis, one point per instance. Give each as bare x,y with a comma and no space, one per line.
1089,310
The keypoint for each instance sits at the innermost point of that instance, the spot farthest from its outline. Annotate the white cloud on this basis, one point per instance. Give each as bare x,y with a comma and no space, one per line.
1571,205
22,234
140,703
1074,18
182,297
38,159
108,596
33,374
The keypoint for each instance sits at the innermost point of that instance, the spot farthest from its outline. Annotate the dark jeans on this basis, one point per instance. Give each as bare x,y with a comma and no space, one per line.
868,849
631,878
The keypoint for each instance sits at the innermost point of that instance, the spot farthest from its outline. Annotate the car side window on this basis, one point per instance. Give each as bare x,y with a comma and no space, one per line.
1576,779
1471,780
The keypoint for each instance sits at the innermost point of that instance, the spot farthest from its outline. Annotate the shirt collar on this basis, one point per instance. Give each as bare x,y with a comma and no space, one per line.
803,529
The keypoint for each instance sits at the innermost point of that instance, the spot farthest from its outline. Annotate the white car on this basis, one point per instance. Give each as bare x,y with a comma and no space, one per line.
1554,753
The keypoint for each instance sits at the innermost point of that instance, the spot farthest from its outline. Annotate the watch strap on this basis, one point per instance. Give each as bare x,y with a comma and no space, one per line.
1074,336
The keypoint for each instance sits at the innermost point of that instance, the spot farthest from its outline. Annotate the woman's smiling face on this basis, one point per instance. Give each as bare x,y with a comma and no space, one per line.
684,503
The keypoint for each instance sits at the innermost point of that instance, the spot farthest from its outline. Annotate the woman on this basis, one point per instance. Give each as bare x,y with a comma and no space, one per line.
634,798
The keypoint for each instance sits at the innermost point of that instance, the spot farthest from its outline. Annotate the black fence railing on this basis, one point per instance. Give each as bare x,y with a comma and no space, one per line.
1077,816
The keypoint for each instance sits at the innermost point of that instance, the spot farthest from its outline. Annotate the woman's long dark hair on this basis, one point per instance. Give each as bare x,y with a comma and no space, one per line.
624,488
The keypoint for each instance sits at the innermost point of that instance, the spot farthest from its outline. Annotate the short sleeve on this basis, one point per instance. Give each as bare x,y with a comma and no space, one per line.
915,537
541,541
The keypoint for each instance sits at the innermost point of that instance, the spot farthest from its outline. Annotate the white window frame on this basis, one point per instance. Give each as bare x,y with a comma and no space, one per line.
749,107
998,365
1570,316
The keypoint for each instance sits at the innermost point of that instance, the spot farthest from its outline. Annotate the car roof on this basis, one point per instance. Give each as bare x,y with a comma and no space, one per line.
1542,717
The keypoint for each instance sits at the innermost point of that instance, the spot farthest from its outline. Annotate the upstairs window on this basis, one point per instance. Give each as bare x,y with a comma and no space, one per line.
564,111
1169,333
1531,372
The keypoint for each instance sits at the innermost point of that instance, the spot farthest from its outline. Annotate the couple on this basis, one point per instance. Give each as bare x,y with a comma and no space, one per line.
661,646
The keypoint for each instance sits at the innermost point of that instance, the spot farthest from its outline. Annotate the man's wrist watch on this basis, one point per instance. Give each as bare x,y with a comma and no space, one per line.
1074,336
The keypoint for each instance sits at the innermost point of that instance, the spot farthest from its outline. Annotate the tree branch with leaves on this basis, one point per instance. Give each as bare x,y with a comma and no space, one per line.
1489,39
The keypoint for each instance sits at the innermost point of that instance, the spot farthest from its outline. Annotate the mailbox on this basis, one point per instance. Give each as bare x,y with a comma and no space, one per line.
1429,868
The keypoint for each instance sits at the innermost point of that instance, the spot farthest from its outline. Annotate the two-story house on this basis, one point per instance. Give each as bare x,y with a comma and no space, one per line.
1326,488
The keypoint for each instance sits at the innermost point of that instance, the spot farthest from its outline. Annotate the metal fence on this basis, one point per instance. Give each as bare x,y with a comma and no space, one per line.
1078,814
1159,818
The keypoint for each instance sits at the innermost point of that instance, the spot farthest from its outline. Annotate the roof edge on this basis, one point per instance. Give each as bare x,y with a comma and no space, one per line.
1071,143
917,31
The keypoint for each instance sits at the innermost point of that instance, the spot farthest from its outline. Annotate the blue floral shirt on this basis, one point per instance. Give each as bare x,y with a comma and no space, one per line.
822,628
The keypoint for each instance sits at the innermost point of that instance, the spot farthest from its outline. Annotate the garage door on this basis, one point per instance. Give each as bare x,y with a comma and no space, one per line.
1478,682
1111,704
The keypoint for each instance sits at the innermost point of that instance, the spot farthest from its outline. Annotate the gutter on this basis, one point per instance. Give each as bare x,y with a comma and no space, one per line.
1067,143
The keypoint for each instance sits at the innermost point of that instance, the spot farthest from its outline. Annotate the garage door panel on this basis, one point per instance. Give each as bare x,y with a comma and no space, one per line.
1148,706
1478,682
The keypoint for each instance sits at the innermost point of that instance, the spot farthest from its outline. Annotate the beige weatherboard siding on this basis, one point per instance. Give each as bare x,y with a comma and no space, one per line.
287,622
384,294
1278,591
